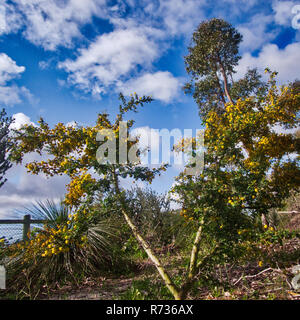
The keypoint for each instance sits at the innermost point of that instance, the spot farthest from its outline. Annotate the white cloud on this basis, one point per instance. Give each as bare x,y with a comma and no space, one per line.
255,33
161,85
52,23
72,124
22,188
284,61
19,120
174,197
10,20
43,65
283,12
8,69
180,16
109,58
11,94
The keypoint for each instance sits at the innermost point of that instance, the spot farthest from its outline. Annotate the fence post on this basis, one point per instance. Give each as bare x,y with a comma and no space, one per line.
26,227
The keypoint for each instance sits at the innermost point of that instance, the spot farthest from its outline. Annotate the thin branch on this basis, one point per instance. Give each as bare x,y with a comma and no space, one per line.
252,276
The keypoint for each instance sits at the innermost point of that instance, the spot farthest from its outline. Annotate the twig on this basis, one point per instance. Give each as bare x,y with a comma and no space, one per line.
251,276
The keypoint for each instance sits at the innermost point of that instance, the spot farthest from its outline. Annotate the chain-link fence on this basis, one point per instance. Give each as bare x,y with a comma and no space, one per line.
14,230
11,232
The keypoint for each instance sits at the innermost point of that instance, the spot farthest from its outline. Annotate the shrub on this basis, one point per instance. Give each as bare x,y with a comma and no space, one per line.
68,245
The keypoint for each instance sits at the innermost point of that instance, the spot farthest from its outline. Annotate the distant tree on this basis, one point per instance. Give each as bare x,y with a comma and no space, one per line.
5,145
210,63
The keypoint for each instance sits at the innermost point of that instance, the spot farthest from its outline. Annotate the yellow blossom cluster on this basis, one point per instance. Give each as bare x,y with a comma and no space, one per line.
78,187
184,213
54,240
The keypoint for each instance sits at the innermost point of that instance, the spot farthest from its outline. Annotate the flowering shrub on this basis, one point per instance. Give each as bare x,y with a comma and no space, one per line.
247,169
82,244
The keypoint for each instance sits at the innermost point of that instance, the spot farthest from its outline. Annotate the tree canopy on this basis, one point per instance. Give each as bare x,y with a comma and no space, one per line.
213,56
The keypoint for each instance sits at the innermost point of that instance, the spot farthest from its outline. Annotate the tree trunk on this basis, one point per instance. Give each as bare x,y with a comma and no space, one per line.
220,89
225,82
193,264
160,268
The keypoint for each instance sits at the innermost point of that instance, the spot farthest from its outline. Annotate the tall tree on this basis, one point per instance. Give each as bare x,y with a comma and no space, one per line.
5,145
248,169
212,57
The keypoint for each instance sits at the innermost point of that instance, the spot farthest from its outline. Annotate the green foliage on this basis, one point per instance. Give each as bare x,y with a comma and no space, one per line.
251,84
246,174
68,247
152,215
212,58
53,213
132,248
146,289
216,43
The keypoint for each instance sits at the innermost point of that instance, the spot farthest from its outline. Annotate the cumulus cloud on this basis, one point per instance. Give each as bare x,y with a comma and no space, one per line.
8,69
10,19
283,12
23,188
72,124
115,56
284,61
255,33
10,93
19,120
142,30
56,22
162,85
180,16
110,57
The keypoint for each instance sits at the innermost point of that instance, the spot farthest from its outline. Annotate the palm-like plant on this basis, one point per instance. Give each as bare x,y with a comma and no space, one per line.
99,253
52,213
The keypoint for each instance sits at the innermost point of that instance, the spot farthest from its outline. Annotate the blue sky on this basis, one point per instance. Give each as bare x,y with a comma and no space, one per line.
67,60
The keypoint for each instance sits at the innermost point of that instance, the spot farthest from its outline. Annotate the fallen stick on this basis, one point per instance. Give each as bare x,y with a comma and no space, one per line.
251,276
